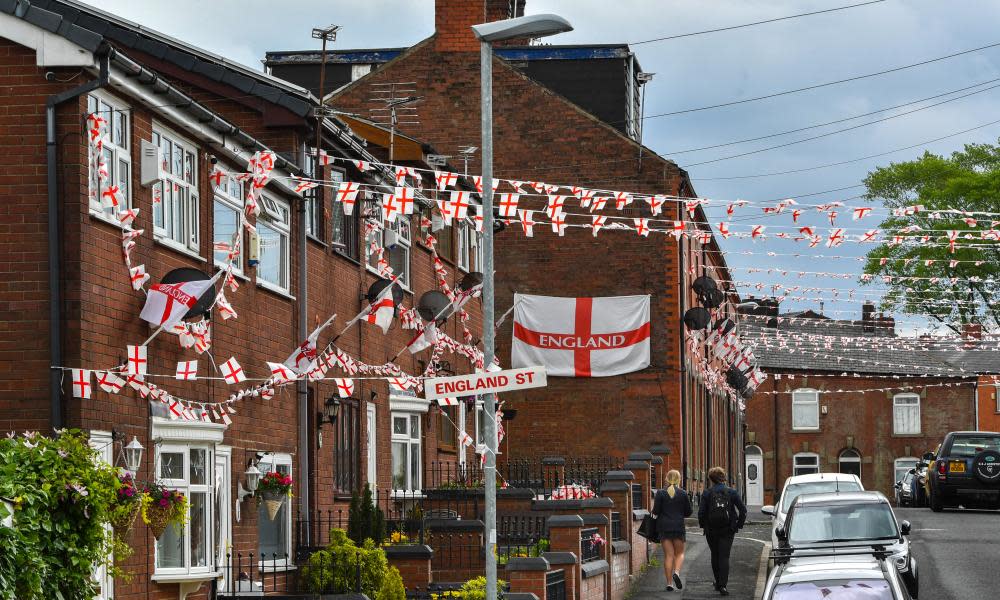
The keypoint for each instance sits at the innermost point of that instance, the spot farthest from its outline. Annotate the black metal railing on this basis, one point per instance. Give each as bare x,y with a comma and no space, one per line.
451,475
555,585
403,518
616,527
247,573
590,545
532,473
521,536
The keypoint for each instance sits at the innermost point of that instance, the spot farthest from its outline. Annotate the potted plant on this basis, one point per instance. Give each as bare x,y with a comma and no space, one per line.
274,488
161,507
128,501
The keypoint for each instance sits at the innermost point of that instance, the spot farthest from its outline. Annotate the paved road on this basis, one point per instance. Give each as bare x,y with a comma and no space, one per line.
956,551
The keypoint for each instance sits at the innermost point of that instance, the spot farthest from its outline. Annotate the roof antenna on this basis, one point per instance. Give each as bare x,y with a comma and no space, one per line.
397,100
821,308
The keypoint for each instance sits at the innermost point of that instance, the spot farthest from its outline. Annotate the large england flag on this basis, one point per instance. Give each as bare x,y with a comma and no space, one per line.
581,337
167,303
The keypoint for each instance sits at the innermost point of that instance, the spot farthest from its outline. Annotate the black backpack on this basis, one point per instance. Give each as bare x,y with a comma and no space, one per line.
718,510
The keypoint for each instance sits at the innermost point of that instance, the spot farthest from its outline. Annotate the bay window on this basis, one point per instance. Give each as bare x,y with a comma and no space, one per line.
188,469
175,197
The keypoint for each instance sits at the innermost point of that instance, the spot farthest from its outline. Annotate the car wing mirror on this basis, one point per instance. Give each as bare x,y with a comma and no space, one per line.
904,528
767,509
899,484
780,533
929,456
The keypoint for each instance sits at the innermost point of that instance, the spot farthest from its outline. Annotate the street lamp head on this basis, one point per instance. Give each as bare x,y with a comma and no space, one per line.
531,26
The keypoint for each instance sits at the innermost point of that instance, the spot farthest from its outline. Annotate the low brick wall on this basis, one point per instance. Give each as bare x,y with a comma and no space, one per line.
413,562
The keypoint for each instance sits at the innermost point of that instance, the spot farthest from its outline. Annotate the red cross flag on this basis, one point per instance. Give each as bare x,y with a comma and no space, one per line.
508,205
404,198
347,194
281,373
598,221
445,179
527,224
555,206
136,360
232,372
139,276
380,313
390,208
581,337
459,204
302,184
301,359
861,212
167,303
641,226
187,370
656,204
110,382
81,383
345,387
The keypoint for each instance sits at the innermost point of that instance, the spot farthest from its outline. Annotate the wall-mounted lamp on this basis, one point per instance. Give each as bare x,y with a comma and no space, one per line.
133,456
329,414
252,478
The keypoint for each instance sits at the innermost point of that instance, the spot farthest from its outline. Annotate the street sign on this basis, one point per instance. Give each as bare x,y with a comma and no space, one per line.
484,383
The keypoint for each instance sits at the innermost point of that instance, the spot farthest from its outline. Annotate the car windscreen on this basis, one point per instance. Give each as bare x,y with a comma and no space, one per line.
968,446
795,490
834,589
819,523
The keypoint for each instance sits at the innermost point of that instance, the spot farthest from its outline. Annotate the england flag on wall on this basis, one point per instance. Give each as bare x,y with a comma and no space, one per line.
581,337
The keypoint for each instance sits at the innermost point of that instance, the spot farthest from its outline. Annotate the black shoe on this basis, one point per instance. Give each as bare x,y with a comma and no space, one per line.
670,588
723,591
716,586
677,581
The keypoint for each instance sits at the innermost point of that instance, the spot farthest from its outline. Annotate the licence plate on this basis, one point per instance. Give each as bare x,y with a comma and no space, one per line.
957,466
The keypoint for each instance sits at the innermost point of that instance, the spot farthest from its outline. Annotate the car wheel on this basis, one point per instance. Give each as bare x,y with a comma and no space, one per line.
935,503
911,579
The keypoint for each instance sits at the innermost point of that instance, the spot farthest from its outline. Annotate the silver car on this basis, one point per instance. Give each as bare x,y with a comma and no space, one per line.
860,574
848,521
813,483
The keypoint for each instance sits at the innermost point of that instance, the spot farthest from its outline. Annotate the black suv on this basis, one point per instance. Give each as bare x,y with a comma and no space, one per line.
966,471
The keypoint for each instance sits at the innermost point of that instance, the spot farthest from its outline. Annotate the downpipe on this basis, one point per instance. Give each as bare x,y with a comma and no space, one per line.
54,227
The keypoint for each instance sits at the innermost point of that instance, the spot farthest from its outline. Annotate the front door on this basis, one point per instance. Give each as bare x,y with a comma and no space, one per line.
755,477
223,525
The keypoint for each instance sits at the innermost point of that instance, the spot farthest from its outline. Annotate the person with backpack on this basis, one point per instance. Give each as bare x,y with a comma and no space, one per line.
670,506
721,514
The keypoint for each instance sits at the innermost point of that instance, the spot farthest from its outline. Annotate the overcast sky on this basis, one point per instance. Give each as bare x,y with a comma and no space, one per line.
705,70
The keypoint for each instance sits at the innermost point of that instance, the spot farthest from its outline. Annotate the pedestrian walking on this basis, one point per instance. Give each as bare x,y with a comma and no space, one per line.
670,506
721,514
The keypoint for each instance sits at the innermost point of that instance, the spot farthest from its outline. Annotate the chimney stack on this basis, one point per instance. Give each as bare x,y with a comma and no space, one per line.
868,317
972,333
453,20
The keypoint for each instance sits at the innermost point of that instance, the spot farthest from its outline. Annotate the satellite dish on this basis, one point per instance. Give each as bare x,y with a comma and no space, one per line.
712,298
434,306
379,286
724,326
184,274
736,379
470,281
697,318
702,284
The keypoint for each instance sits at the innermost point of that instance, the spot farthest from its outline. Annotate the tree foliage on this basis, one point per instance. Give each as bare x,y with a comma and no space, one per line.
968,180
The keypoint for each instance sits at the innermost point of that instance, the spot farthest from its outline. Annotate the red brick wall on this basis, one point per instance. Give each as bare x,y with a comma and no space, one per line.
592,588
867,417
989,403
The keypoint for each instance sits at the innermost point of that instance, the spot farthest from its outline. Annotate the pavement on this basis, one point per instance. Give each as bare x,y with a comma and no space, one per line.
744,569
956,551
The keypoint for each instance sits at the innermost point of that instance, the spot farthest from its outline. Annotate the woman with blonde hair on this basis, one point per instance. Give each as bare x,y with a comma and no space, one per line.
671,505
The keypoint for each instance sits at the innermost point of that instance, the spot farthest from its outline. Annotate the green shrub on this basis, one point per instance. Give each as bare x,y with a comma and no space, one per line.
475,589
365,520
392,586
63,498
334,569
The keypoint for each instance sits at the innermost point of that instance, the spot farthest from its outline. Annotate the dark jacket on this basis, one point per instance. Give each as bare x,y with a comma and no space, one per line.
670,512
737,510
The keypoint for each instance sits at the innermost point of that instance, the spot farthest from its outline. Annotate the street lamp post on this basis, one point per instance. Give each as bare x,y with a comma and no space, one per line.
533,26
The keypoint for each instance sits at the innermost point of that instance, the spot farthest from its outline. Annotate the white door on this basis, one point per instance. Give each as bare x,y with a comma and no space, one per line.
223,502
755,476
371,431
103,442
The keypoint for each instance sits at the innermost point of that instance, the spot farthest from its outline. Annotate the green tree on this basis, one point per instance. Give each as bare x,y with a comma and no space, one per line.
364,519
953,293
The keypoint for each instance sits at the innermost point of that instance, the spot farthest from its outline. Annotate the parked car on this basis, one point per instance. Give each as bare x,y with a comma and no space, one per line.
966,471
904,489
862,574
814,483
849,521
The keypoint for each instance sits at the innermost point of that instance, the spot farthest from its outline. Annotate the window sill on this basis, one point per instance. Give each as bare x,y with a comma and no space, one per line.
275,289
816,430
100,216
185,577
172,245
447,449
270,566
315,240
907,435
236,272
341,253
407,495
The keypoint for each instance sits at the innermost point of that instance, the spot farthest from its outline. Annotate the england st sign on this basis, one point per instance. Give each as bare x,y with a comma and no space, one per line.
484,383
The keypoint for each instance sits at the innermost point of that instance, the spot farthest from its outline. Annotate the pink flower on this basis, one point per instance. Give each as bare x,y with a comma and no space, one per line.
164,503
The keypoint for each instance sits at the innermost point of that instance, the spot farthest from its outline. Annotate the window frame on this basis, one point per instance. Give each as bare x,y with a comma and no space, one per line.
814,401
347,439
103,443
402,222
118,153
896,405
284,232
796,466
447,437
470,247
192,218
277,459
371,438
843,458
236,204
411,442
185,448
311,197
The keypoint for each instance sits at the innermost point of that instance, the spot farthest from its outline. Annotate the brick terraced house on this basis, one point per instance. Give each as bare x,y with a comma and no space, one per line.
67,300
565,115
852,396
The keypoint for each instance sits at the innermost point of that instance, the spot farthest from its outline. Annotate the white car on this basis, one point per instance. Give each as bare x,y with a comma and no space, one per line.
814,483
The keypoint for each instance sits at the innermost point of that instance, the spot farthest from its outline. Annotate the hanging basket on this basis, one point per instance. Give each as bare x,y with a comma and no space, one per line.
122,520
159,518
273,502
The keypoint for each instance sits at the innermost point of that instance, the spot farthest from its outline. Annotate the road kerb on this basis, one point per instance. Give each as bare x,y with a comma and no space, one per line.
762,572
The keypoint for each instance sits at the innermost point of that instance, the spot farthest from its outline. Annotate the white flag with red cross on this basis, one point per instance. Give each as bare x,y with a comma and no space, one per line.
347,194
167,303
302,358
137,362
345,387
281,373
187,370
380,313
232,372
110,382
581,337
82,386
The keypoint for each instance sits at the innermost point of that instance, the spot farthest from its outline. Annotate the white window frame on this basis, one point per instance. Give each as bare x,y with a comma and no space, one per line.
803,398
184,485
223,524
275,216
470,247
270,462
900,470
849,455
897,405
103,443
404,230
371,433
229,194
182,230
796,466
119,154
414,442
